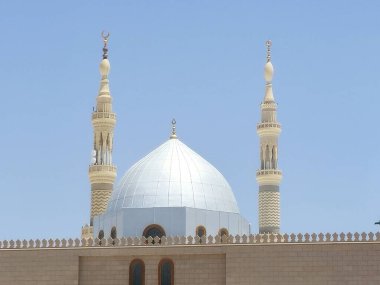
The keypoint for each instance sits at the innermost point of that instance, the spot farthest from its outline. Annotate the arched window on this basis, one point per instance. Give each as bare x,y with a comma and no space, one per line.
113,233
166,272
101,234
200,231
223,232
153,231
137,272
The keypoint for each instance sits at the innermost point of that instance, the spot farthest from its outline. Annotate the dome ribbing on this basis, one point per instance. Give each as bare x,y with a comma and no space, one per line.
173,175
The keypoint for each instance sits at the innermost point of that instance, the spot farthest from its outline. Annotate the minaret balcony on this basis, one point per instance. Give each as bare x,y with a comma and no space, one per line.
268,172
103,115
102,173
268,128
269,106
268,176
103,119
102,167
268,125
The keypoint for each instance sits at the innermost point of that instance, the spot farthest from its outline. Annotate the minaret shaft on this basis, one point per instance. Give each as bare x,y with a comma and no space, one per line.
269,176
102,172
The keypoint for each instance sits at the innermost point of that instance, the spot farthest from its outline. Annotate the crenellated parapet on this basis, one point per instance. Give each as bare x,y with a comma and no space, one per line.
255,239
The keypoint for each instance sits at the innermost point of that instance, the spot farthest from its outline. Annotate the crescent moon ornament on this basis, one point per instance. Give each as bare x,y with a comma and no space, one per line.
105,36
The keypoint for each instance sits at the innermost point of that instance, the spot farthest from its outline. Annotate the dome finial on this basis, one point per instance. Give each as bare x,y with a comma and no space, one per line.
105,40
174,133
268,43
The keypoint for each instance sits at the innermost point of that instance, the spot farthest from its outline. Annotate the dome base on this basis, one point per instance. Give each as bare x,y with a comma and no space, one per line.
175,221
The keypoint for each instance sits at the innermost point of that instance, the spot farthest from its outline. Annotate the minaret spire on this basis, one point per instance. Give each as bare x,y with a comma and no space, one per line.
269,176
102,172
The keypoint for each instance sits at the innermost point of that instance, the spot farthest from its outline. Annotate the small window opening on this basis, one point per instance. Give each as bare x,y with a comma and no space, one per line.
166,272
101,234
223,232
113,233
137,272
154,231
200,231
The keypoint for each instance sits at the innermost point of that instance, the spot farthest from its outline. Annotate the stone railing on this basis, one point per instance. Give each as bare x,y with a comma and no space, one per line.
269,105
101,115
190,240
268,171
101,167
268,125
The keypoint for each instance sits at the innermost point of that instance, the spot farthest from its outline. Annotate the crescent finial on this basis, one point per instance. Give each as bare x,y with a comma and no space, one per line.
174,133
268,43
105,37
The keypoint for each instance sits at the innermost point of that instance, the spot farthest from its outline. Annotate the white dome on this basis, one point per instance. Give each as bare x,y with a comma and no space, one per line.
173,175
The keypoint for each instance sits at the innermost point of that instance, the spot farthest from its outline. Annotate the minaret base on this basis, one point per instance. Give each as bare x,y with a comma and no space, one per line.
269,230
87,232
99,201
269,209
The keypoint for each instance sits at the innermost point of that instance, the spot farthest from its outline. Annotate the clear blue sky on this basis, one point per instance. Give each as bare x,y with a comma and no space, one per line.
202,63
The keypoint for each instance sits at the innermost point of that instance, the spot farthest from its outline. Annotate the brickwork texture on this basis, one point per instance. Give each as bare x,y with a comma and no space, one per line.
283,263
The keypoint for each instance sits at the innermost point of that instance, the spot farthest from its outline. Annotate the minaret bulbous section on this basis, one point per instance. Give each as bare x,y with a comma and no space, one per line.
102,172
269,176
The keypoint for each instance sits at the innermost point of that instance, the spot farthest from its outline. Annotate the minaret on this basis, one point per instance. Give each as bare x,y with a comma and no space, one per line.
102,172
269,176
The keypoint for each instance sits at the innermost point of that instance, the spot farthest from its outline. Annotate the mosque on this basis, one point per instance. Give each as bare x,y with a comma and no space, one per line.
173,191
173,219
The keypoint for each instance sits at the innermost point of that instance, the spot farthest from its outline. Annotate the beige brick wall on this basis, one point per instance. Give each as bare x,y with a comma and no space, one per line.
189,269
306,264
38,267
103,270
